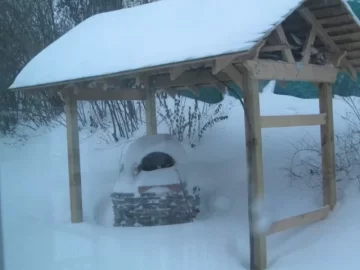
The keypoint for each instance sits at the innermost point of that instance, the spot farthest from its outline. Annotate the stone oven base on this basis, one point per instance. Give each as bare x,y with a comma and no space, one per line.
151,209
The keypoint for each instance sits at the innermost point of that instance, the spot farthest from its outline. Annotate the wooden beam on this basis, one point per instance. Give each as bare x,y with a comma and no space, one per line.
274,70
300,220
195,77
308,46
276,121
258,258
73,148
115,94
327,146
288,56
176,72
326,39
235,75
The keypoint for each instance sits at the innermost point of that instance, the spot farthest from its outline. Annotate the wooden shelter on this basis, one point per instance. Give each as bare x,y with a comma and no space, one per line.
312,41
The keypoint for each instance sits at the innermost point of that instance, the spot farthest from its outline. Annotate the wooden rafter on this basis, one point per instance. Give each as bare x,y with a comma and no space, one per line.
222,62
326,39
235,75
282,38
258,48
308,46
176,72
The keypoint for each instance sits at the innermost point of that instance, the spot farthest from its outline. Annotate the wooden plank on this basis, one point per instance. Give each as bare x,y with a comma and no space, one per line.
350,46
351,36
353,54
328,146
300,220
276,121
258,257
275,70
113,94
326,39
355,62
336,10
341,28
282,38
336,20
308,46
235,75
73,148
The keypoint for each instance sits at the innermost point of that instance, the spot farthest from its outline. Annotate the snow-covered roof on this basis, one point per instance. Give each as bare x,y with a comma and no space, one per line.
155,34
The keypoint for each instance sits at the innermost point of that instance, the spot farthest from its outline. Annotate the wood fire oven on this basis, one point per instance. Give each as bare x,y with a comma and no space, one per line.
152,188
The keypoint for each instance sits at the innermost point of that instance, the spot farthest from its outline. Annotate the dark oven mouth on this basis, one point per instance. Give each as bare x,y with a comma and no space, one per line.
155,161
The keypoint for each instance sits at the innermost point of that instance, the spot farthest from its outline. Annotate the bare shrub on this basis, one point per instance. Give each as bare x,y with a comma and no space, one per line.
189,119
306,163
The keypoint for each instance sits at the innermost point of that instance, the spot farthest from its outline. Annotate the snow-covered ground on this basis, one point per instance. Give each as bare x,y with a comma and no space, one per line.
35,205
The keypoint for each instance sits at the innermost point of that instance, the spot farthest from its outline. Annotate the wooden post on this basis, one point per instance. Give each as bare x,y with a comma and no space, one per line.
327,145
150,111
73,158
258,258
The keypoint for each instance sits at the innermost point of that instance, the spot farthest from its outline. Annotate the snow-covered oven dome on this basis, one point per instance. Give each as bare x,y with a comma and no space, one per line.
151,189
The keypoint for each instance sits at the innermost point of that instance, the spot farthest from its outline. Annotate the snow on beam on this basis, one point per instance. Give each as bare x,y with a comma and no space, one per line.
274,70
275,121
300,220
